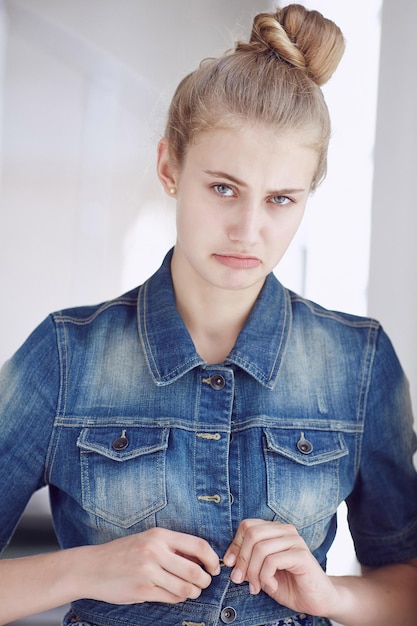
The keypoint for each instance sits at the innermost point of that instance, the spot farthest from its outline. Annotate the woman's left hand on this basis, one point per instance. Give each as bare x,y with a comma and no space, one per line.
273,558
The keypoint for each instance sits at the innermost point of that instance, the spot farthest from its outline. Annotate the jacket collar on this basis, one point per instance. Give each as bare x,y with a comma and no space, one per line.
170,351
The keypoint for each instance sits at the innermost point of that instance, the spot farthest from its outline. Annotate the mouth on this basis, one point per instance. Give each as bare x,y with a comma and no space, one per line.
238,261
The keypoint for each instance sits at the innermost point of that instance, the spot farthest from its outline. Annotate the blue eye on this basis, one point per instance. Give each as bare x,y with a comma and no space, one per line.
281,200
223,190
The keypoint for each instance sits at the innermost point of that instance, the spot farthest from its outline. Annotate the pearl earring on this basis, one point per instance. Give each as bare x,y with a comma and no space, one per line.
173,191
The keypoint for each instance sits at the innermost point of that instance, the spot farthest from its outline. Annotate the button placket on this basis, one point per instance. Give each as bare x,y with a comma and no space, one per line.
212,451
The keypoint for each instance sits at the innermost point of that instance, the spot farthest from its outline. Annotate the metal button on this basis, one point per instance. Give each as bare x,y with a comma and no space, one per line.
304,445
121,442
217,382
228,615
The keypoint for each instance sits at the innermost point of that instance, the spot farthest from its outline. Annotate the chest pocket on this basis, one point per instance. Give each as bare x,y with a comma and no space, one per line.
303,468
123,472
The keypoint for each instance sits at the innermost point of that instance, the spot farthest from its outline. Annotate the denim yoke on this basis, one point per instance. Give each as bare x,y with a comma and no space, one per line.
112,407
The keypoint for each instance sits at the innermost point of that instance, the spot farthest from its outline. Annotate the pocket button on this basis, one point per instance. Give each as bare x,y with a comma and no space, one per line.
120,443
304,445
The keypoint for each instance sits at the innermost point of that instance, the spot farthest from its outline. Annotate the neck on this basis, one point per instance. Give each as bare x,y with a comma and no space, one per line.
213,316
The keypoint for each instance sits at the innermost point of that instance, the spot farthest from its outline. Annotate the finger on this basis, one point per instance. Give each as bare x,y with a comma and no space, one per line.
233,551
261,540
178,576
296,560
173,588
240,551
271,557
188,570
198,551
261,569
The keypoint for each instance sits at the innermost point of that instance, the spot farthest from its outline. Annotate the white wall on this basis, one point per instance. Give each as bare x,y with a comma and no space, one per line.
336,231
393,263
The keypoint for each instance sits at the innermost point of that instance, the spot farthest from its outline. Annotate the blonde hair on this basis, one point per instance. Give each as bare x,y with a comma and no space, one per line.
274,79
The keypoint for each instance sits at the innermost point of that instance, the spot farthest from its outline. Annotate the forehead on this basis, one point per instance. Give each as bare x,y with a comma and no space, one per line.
254,149
267,137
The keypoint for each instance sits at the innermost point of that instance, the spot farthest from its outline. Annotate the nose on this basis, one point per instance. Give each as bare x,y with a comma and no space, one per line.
245,225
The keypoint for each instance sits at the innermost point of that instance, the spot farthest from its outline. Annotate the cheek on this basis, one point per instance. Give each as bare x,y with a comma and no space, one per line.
297,221
190,223
284,226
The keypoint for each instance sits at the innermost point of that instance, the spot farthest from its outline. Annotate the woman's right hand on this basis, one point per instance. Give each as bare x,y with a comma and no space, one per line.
157,565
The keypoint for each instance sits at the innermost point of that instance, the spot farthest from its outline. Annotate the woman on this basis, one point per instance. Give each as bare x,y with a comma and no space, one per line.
198,433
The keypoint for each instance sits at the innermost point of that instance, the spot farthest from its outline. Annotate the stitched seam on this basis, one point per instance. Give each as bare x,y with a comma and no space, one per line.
364,388
77,321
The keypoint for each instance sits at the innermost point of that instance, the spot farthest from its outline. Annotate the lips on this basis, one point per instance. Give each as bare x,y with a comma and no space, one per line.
238,261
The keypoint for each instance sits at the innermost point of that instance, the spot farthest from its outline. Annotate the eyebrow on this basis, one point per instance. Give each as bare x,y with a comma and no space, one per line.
237,181
233,179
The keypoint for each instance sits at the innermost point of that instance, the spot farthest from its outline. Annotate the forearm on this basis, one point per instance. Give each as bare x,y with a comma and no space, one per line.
34,584
385,596
157,565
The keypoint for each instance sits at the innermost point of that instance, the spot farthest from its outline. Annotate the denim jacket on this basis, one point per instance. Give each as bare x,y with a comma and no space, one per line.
113,409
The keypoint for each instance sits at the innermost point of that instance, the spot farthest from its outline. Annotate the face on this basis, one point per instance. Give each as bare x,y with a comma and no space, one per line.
241,195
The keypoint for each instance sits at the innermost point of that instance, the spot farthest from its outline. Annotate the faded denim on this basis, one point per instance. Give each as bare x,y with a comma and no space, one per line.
310,408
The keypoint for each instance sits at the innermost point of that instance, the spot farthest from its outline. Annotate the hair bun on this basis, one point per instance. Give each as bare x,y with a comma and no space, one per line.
302,38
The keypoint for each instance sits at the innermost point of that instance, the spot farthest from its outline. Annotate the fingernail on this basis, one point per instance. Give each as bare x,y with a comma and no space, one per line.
236,576
230,560
252,589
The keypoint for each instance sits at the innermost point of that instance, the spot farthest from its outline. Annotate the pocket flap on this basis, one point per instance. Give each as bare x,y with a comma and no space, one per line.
139,441
324,445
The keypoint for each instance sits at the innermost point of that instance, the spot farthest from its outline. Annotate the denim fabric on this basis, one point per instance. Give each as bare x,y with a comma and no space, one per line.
296,620
113,409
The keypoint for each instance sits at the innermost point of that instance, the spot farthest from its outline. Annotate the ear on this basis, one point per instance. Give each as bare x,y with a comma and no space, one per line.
166,172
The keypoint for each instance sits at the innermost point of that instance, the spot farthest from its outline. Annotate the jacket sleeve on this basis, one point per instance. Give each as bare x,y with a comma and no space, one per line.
382,509
29,390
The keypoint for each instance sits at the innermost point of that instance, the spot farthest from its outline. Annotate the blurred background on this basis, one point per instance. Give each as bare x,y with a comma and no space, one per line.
84,89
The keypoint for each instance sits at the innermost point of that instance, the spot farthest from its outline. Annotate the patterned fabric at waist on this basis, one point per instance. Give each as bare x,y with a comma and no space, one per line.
301,620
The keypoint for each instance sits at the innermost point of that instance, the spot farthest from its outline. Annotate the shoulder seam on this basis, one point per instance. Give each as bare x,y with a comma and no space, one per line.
348,319
66,316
